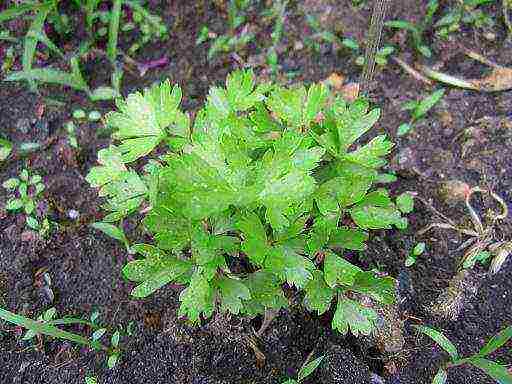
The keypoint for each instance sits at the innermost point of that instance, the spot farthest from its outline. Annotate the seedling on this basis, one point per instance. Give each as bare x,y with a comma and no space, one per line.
418,110
306,370
26,192
416,251
482,241
496,371
48,12
46,324
464,12
232,41
417,31
267,189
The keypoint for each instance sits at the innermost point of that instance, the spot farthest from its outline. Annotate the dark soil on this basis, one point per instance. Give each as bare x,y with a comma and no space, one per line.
466,137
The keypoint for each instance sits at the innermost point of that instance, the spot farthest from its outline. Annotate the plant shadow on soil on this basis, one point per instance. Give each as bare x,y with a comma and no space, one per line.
85,266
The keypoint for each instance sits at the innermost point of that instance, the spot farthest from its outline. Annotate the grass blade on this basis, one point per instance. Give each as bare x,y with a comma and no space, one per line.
29,49
309,368
440,339
113,30
41,36
496,371
496,342
17,11
45,329
49,76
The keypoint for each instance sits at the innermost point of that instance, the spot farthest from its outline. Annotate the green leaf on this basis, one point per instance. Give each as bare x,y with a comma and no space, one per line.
11,183
112,360
48,76
143,118
266,293
308,368
349,238
373,217
427,103
440,377
5,149
381,289
348,186
496,371
32,222
370,154
405,202
351,315
318,294
337,270
90,380
320,233
287,104
240,92
113,30
401,24
418,249
496,342
154,271
124,188
103,93
114,340
440,339
289,266
197,298
255,244
111,230
98,334
316,98
353,121
403,129
42,328
232,293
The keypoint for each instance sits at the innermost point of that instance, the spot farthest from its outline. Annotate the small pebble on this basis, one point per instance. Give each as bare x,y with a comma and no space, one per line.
94,116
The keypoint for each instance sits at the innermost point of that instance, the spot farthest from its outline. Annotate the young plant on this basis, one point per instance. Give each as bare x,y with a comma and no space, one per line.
307,369
464,12
419,109
416,251
417,31
26,190
232,41
46,324
496,371
266,193
48,13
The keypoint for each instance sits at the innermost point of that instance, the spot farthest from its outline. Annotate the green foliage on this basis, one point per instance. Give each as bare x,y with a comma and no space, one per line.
418,30
418,110
416,251
465,12
496,371
306,370
104,22
268,188
25,195
47,324
235,39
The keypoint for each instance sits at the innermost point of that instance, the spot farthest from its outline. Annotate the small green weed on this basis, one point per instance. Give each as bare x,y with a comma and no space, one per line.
419,109
417,31
49,13
26,190
496,371
46,325
232,41
464,12
267,189
416,251
307,369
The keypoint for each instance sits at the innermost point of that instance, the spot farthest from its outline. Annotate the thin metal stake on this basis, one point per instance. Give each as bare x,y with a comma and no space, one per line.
380,9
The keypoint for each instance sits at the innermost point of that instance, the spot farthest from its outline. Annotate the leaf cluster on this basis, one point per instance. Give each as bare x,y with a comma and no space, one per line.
497,371
266,190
